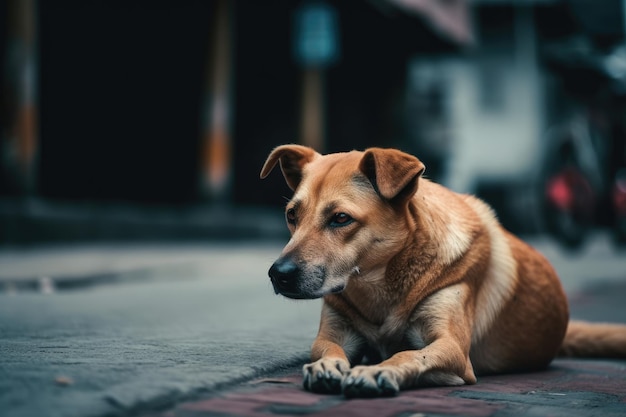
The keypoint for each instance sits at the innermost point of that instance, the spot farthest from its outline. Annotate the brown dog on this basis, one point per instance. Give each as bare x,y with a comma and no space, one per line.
416,278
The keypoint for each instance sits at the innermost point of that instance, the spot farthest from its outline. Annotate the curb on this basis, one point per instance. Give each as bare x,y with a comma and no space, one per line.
37,221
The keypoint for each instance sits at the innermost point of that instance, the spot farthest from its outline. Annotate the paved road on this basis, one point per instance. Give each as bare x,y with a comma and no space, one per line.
161,324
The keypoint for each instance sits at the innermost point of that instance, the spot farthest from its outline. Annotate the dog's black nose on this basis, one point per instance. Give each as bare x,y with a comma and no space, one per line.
284,274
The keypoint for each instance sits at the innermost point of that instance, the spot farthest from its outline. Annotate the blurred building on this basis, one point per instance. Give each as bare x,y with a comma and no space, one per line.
505,99
177,104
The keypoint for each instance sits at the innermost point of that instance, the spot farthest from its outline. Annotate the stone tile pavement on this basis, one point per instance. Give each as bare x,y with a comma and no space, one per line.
569,388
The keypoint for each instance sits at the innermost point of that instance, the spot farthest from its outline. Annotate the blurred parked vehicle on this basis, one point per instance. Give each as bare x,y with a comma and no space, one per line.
583,182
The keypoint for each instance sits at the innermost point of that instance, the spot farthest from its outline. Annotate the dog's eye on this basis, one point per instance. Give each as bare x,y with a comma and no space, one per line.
340,219
291,216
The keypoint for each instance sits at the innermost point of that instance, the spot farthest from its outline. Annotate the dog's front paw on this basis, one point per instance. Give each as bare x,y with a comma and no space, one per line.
324,376
370,381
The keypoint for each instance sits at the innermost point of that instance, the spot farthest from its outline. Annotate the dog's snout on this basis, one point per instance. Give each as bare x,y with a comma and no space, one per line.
284,274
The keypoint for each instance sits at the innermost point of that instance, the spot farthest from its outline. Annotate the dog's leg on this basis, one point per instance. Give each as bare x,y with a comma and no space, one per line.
440,363
444,324
333,349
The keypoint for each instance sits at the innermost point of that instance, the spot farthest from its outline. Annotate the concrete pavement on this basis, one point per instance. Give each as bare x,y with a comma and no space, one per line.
197,330
205,316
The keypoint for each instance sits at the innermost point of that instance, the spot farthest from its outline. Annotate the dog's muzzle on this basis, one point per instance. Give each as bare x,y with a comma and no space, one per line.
299,280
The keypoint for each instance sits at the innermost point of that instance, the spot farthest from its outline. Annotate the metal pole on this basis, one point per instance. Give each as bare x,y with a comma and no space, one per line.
216,158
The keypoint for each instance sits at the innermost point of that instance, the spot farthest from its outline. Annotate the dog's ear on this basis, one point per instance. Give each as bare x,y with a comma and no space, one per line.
292,159
394,174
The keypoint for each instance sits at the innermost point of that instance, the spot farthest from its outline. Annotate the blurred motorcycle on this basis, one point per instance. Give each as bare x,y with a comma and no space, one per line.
583,182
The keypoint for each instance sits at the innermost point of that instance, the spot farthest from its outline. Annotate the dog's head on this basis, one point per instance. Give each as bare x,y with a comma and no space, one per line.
347,216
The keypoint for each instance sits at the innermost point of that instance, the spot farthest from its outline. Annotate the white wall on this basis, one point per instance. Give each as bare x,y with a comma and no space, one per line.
497,113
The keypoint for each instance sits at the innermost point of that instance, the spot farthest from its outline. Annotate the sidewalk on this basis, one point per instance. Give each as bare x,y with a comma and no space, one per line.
570,388
195,330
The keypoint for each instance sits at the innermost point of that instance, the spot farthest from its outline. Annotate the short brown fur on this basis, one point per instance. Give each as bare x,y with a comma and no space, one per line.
417,279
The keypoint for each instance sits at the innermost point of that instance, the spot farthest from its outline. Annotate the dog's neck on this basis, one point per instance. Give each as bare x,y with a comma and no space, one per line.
439,234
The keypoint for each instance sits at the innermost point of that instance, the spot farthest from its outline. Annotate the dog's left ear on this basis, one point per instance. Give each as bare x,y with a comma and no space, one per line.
292,159
394,174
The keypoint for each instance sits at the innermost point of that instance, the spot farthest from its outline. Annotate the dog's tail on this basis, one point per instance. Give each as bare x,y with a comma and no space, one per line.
594,340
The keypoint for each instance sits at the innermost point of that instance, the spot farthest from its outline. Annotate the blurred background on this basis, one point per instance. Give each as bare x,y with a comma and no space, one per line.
135,120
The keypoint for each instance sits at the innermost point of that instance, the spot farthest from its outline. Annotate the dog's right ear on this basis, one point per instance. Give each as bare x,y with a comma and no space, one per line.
292,159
